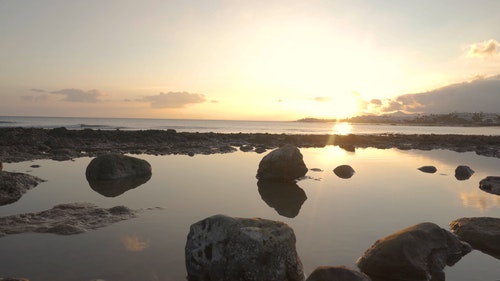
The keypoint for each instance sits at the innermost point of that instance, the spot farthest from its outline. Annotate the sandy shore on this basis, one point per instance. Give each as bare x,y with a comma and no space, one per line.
21,144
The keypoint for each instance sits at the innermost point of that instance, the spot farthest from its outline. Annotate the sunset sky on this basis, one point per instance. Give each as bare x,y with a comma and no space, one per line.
254,60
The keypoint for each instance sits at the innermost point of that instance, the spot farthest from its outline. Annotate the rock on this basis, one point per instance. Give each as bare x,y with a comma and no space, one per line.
114,188
337,273
344,171
117,166
490,184
13,279
463,172
284,164
419,252
285,197
482,233
348,147
1,166
316,170
428,169
246,148
225,248
260,150
65,219
14,185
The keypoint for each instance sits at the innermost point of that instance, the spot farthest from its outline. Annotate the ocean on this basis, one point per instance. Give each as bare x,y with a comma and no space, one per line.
235,126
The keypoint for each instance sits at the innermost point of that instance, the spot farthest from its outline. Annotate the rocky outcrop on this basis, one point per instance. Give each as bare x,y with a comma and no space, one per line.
344,171
64,219
116,166
482,233
337,273
226,248
463,172
419,252
285,197
490,184
428,169
14,185
284,164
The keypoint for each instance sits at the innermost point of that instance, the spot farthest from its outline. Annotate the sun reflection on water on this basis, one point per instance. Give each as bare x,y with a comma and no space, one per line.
342,128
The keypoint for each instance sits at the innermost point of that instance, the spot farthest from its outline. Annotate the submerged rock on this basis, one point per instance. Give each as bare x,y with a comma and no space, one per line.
14,185
225,248
284,164
419,252
116,166
285,197
490,184
463,172
428,169
344,171
482,233
65,219
334,273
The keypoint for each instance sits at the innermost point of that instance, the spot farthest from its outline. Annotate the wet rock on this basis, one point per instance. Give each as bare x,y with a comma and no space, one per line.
260,150
419,252
490,184
65,219
337,273
284,164
226,248
14,185
463,172
348,147
114,188
246,148
482,233
13,279
344,171
285,197
116,166
428,169
316,170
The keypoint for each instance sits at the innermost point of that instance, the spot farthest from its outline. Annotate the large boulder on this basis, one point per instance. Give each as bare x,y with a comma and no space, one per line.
463,172
337,273
482,233
344,171
490,184
419,252
117,166
285,197
14,185
225,248
283,164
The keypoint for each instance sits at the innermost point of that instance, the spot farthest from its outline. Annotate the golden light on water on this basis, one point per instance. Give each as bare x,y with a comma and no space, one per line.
342,128
133,244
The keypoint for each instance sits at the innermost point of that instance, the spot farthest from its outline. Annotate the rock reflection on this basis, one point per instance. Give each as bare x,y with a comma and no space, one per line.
479,200
285,197
134,244
113,188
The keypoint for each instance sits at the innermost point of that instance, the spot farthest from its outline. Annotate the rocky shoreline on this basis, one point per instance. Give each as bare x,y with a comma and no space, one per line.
24,144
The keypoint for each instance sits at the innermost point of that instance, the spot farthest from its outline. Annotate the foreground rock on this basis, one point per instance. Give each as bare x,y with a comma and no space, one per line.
419,252
14,185
64,219
116,166
344,171
114,188
226,248
284,164
285,197
482,233
428,169
463,172
490,185
337,273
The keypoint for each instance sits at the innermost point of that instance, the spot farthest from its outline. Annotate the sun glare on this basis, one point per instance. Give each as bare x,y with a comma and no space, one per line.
343,128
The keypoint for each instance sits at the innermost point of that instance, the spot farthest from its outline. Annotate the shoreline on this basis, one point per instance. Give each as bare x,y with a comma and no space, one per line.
24,144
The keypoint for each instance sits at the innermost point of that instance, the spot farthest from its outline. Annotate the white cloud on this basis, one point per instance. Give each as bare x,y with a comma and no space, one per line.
322,99
173,99
69,95
483,49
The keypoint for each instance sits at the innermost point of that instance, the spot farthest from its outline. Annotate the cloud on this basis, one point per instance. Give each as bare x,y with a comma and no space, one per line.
483,49
35,98
173,99
322,99
69,95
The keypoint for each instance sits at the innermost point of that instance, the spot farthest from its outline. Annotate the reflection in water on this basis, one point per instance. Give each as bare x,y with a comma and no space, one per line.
343,128
479,200
113,188
285,197
133,244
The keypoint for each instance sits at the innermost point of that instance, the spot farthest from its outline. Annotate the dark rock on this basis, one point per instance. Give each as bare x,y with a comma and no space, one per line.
246,148
113,188
344,171
316,170
482,233
285,197
13,279
226,248
284,164
65,219
260,150
14,185
490,184
337,273
463,172
171,131
116,166
428,169
35,166
348,147
419,252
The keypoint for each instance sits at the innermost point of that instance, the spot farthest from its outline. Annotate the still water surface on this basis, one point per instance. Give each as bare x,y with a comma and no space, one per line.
340,219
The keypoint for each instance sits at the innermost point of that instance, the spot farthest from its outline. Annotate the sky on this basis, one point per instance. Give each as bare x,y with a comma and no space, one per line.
248,60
